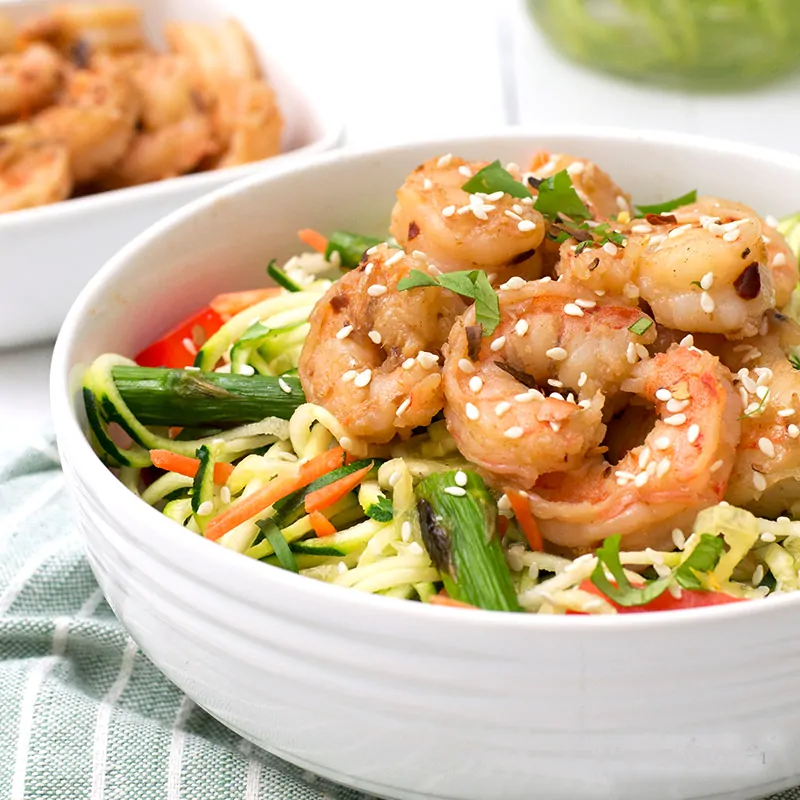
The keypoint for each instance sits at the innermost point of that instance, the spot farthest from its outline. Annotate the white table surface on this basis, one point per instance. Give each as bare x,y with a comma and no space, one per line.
421,69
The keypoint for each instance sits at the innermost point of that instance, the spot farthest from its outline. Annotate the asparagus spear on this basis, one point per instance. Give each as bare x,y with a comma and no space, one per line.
460,534
182,397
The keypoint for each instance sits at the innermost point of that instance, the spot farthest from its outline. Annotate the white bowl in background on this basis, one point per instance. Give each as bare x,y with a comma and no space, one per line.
47,254
398,698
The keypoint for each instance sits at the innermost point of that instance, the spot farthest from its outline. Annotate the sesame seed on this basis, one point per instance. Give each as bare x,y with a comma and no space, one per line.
521,328
687,341
582,378
472,412
586,303
513,215
762,392
370,266
622,203
363,379
528,397
556,353
501,408
403,407
427,184
766,447
786,412
731,236
624,475
527,201
610,248
409,363
571,398
771,221
758,575
526,225
225,495
556,384
657,239
494,196
349,376
717,465
767,537
693,433
642,351
465,171
497,344
749,384
514,432
377,289
344,332
793,431
476,383
456,491
465,365
461,478
630,353
444,160
573,310
759,481
284,386
448,211
555,427
641,479
576,168
707,281
779,260
514,283
707,303
642,228
644,457
663,443
394,259
679,231
372,250
205,508
375,336
678,538
675,420
664,395
427,360
405,531
518,208
394,478
674,406
247,369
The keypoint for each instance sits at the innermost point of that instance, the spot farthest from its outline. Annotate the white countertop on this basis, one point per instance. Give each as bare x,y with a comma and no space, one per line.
451,67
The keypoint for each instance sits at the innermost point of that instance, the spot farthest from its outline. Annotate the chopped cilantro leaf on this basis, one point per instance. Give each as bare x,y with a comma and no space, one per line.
669,205
558,196
493,178
414,279
381,510
641,326
794,360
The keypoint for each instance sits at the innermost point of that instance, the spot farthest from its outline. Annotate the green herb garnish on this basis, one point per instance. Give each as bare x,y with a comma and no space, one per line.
350,247
759,408
794,360
472,284
281,278
493,178
697,284
703,558
558,196
641,326
381,510
668,205
272,533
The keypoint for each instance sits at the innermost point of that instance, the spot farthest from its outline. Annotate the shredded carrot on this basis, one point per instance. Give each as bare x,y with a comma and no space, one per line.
446,600
314,239
185,465
522,511
248,507
321,524
229,304
174,431
328,495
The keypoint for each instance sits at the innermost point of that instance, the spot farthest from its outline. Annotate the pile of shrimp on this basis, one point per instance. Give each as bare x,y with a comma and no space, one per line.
626,388
86,105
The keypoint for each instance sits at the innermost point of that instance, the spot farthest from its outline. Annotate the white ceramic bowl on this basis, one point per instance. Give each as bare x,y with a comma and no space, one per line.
47,254
396,698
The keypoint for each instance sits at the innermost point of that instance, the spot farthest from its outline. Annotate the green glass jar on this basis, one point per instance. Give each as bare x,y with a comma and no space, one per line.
718,45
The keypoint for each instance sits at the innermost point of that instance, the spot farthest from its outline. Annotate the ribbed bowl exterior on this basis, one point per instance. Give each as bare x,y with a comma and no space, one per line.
399,699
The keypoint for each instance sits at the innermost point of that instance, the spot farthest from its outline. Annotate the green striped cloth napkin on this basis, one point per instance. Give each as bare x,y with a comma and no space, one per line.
83,714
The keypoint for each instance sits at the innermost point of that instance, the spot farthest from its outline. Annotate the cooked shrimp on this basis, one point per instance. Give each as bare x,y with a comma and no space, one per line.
766,474
599,193
28,80
217,52
701,268
164,86
165,153
109,28
8,34
372,356
33,175
514,420
457,230
248,122
682,466
94,119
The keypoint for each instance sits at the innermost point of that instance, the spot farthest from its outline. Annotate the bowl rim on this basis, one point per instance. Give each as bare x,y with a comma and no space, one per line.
77,450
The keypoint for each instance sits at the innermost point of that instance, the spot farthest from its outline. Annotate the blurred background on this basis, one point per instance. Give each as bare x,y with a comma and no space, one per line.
420,69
